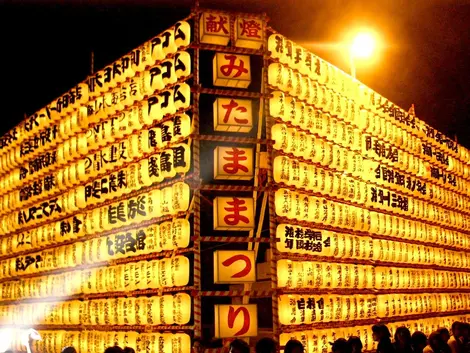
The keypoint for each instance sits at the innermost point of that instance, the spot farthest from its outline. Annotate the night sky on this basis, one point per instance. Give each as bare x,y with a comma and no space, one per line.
46,47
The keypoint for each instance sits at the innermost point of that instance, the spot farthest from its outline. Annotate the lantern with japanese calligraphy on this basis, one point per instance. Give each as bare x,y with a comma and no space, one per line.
180,271
233,115
166,305
288,312
248,33
231,70
233,163
285,270
181,308
214,28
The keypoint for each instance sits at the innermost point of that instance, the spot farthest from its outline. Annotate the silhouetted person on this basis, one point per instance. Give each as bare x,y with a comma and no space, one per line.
356,344
129,350
444,337
239,346
341,346
69,349
293,346
466,337
433,343
197,346
381,334
265,345
402,342
455,341
418,341
114,349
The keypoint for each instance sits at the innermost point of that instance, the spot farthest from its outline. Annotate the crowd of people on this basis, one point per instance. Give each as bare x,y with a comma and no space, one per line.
440,341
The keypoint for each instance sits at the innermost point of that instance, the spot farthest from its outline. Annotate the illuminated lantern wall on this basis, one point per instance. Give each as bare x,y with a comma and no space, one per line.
116,195
94,226
372,207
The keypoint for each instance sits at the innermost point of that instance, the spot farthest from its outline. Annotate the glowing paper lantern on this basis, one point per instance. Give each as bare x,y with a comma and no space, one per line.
234,266
236,321
248,33
214,28
233,163
233,213
233,115
231,70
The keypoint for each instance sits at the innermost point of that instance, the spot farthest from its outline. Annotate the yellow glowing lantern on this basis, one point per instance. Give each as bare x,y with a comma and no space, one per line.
180,271
180,233
180,197
166,316
236,320
233,213
285,270
233,115
231,70
181,308
214,28
233,163
234,266
248,33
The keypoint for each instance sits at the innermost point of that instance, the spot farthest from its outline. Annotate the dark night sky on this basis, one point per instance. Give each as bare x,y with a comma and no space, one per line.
46,46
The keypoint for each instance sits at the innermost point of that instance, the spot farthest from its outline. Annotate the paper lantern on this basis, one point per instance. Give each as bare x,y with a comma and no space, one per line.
181,308
236,321
166,316
165,273
234,266
233,163
233,213
181,343
285,270
233,115
214,28
231,70
248,33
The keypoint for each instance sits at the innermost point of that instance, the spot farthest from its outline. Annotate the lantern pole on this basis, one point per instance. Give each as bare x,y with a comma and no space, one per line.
272,215
197,179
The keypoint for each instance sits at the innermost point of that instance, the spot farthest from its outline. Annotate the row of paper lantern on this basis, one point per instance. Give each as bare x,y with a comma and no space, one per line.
318,341
122,70
167,235
117,117
130,243
302,207
156,203
324,243
354,187
155,274
91,165
342,116
175,160
354,162
309,274
347,134
158,310
309,67
98,341
308,309
178,98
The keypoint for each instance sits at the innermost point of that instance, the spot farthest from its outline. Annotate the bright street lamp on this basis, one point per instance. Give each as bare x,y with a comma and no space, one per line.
362,47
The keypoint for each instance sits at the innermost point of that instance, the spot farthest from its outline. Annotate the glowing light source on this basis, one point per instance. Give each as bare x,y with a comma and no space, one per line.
363,45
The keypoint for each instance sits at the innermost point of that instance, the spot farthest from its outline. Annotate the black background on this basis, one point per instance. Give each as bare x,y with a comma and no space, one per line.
46,47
